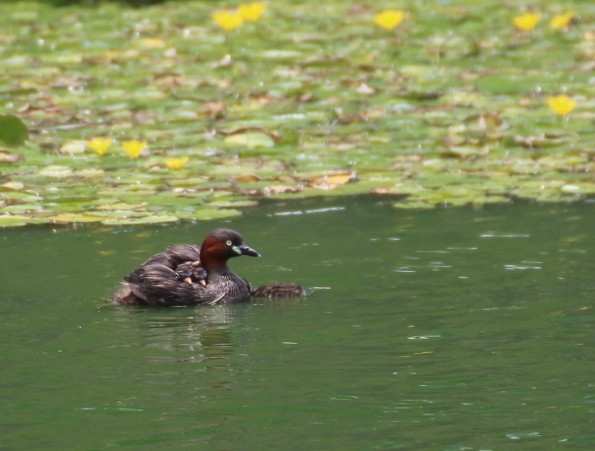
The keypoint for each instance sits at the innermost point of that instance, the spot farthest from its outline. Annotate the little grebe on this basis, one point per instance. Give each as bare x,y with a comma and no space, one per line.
196,275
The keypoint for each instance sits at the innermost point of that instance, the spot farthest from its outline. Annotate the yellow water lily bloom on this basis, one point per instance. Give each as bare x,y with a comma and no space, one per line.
389,18
251,12
527,21
99,145
228,20
134,148
562,104
561,21
176,163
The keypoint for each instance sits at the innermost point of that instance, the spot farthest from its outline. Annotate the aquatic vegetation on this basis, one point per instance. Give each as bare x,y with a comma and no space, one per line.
152,43
251,12
313,102
99,145
562,21
13,130
389,18
228,20
562,104
527,21
176,163
134,148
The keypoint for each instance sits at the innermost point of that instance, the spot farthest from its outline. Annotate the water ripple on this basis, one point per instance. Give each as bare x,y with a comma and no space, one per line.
504,235
520,267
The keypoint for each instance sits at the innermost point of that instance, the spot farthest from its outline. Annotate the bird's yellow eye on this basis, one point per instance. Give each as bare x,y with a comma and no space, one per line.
228,242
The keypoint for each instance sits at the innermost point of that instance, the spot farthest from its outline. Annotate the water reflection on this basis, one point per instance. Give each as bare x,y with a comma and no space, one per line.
180,334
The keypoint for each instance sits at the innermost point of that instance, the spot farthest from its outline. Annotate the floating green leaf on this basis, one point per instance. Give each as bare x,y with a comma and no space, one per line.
20,220
157,219
13,131
74,147
251,140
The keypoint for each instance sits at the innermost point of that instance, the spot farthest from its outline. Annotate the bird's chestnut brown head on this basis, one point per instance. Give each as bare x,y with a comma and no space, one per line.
221,245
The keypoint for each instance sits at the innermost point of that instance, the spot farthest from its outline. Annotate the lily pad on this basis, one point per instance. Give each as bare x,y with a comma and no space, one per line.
442,111
13,131
157,219
57,171
74,147
464,151
25,208
205,214
18,220
281,54
9,157
12,186
578,188
332,181
251,140
67,218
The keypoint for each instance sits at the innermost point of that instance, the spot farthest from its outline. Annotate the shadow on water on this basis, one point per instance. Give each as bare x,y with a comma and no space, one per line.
438,329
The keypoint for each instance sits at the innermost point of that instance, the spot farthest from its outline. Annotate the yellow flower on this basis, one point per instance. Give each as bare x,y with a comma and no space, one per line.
561,21
99,145
389,18
176,163
227,20
562,104
251,12
527,21
133,148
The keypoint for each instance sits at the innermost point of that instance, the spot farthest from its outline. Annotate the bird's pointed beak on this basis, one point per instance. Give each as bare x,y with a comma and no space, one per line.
247,250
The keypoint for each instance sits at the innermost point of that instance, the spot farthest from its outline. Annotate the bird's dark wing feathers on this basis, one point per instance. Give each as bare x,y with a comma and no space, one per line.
183,253
155,282
163,288
171,258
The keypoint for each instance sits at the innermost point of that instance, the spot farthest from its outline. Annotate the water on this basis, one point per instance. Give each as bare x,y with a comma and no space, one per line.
448,329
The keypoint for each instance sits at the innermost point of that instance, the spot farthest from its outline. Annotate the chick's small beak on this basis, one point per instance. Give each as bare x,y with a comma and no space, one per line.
247,250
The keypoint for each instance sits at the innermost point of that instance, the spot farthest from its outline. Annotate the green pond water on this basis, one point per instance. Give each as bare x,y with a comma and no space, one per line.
448,329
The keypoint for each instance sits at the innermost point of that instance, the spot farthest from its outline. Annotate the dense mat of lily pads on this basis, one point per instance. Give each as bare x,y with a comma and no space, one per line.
179,111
